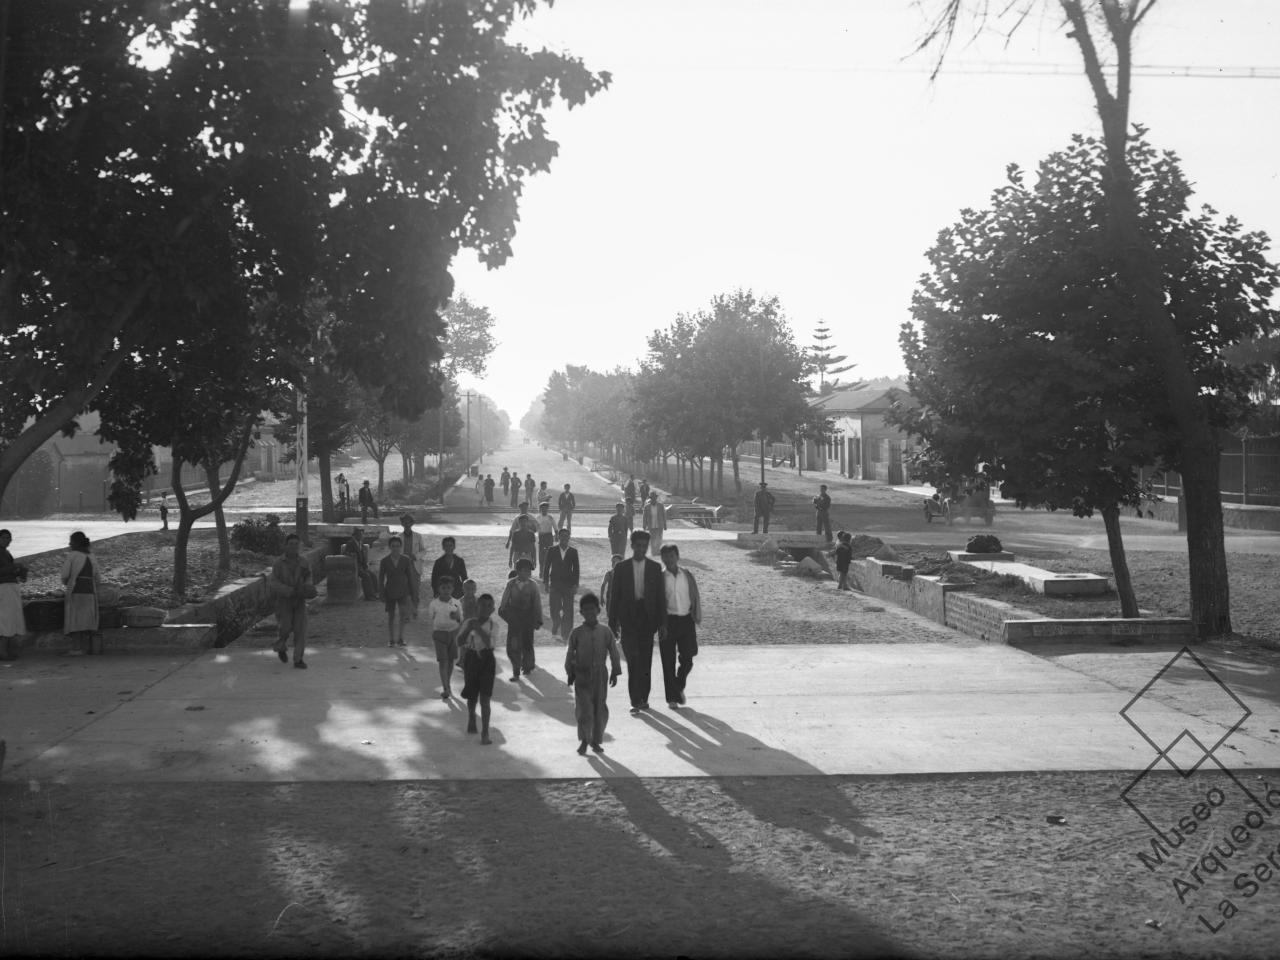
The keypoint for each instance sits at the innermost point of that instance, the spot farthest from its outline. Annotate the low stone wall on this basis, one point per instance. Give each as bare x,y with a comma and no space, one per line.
1236,515
981,617
166,638
240,604
1025,633
998,622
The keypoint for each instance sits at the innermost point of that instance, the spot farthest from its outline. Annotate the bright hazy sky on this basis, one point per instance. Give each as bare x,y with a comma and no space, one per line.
795,148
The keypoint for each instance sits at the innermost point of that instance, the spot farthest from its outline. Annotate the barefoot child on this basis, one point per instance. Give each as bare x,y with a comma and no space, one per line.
445,614
521,608
592,648
479,664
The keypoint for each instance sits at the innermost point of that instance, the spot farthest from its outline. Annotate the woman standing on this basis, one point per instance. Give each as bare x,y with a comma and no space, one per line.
80,620
12,623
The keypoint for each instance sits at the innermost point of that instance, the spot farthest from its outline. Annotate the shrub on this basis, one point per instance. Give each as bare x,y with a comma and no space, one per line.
983,543
259,534
396,490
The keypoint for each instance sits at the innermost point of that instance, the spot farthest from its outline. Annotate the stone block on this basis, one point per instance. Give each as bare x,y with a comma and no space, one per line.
963,556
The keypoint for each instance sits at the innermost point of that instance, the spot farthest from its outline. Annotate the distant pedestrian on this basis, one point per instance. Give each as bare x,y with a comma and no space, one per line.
450,565
561,577
546,535
544,494
415,548
637,610
444,613
844,557
398,587
568,503
80,605
344,493
367,503
488,490
479,489
515,491
629,490
822,512
292,586
643,490
606,585
164,511
629,514
522,539
521,610
619,529
355,548
764,501
529,487
506,481
592,665
655,522
468,600
684,613
12,622
477,639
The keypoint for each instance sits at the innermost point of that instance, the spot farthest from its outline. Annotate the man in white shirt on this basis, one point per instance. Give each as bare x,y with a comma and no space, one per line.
546,536
684,613
654,520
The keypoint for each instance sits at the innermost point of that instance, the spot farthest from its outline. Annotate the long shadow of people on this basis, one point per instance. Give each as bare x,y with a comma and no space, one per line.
823,810
678,837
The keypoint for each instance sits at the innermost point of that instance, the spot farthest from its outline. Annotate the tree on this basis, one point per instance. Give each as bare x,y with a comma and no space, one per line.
1113,23
350,148
1022,351
821,358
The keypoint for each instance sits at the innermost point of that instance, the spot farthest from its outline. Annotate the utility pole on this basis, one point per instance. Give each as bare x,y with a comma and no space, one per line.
300,454
467,467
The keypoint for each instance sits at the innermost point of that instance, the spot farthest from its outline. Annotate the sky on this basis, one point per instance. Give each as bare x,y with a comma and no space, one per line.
797,148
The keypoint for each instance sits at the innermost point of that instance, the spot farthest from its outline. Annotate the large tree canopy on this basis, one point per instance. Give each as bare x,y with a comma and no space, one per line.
158,158
1023,353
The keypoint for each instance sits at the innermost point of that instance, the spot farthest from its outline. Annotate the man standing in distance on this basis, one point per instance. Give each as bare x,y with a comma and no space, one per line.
764,508
822,512
684,613
561,578
638,609
567,505
367,502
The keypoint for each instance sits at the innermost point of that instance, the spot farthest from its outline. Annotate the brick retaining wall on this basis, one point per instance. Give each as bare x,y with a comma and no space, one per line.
998,622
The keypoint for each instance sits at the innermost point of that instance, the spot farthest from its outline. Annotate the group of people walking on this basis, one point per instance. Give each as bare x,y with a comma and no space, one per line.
639,601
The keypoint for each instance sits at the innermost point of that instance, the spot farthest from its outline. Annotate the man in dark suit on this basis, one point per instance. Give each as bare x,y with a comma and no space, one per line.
561,578
638,606
449,564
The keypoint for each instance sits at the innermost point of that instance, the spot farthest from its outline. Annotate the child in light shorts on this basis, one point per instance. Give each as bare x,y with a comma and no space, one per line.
445,614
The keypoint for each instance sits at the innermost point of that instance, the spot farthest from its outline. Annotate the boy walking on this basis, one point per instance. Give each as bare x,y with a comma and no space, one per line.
445,614
592,649
521,609
477,639
568,503
398,587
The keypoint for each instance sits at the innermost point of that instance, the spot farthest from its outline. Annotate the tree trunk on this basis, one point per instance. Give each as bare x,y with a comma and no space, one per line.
1119,565
382,465
187,516
737,474
219,519
1140,272
324,463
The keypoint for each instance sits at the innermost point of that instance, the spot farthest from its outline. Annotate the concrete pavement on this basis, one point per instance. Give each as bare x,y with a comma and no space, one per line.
363,713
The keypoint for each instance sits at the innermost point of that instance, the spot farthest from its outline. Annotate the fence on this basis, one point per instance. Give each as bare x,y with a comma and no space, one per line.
1250,472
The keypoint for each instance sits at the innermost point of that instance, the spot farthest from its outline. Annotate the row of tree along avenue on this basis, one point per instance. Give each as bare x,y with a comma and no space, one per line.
725,374
206,205
1089,323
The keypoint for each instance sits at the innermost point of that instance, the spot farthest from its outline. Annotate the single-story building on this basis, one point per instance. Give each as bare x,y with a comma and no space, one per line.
861,445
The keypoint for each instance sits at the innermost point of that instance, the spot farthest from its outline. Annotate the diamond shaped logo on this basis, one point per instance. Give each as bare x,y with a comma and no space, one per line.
1166,731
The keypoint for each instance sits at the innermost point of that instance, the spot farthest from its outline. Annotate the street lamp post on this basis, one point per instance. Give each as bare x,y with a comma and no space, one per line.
300,514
